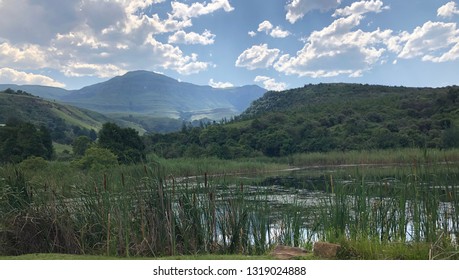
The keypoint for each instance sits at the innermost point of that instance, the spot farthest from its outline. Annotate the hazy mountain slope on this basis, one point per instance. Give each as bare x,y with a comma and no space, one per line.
143,92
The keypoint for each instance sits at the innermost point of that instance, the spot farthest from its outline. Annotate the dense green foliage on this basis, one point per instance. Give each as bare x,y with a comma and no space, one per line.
326,117
80,145
96,158
20,140
125,143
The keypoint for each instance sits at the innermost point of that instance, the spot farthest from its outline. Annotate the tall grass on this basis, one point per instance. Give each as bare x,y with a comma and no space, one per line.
145,212
420,206
382,157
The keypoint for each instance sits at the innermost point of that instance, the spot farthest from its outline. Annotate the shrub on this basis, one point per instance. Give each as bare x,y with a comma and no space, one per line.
34,163
96,158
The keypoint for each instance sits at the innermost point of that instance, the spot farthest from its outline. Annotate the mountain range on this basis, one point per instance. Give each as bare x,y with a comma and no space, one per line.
152,101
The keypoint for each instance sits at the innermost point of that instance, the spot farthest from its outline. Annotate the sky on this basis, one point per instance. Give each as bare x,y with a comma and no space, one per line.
276,44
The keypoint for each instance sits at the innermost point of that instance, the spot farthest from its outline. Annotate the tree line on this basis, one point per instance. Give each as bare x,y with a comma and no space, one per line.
20,140
322,118
114,145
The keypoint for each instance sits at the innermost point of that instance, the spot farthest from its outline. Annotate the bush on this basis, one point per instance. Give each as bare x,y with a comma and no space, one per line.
34,163
96,158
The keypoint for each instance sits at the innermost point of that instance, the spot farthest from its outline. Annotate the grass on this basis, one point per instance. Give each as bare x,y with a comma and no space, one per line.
377,157
215,166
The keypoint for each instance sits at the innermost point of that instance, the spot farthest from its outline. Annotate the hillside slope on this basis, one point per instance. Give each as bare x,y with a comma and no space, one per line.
64,121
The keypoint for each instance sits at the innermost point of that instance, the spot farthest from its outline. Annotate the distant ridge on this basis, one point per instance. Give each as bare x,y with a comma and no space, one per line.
154,101
149,93
41,91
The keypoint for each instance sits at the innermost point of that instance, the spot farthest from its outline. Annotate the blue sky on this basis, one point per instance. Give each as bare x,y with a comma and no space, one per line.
277,44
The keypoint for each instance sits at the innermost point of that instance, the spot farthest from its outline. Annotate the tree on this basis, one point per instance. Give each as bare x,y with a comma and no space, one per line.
125,143
453,94
80,145
20,140
450,138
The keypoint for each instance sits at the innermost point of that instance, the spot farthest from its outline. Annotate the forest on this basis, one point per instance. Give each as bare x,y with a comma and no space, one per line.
323,118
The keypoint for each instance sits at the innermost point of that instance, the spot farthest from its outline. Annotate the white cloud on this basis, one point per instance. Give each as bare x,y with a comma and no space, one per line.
100,38
8,75
77,69
24,56
259,56
214,84
171,57
296,9
252,33
270,83
192,38
268,28
448,10
265,26
434,41
337,50
81,38
452,54
184,11
277,32
362,7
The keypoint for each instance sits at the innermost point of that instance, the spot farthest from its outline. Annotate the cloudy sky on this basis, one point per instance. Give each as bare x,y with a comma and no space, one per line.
277,44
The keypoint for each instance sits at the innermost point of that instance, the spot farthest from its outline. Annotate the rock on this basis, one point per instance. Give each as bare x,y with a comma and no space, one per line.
326,250
287,253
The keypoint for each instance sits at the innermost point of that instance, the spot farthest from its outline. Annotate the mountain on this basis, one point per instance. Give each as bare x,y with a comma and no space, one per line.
155,95
64,121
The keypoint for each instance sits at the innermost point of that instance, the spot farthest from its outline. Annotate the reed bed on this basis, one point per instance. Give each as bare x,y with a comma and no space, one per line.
407,156
420,207
148,211
143,213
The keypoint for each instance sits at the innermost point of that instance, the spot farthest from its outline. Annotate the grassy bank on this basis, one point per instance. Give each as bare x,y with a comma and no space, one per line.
407,156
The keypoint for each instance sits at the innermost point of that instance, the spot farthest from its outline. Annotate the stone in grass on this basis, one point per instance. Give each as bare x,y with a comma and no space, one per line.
326,250
287,252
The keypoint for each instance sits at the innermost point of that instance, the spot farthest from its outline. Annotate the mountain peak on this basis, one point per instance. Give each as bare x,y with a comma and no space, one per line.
157,95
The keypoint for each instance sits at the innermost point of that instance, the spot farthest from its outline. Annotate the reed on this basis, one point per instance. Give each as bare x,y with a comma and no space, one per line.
419,206
147,210
142,213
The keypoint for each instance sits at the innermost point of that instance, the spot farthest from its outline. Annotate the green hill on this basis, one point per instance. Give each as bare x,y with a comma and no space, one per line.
64,121
327,117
